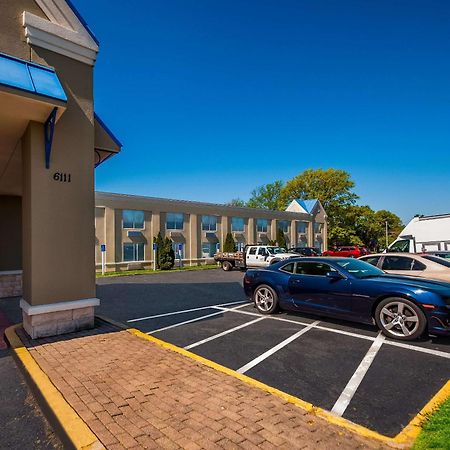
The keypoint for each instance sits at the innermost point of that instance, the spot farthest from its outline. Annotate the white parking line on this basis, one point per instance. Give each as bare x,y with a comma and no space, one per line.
182,311
277,347
194,320
355,335
349,391
224,333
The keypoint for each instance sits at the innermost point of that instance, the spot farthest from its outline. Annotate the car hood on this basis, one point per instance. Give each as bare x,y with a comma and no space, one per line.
441,287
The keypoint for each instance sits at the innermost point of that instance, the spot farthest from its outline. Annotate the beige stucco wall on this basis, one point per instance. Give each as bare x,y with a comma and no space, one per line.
58,218
12,37
10,233
192,235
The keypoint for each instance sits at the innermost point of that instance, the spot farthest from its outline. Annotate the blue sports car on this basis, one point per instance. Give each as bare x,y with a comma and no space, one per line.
402,307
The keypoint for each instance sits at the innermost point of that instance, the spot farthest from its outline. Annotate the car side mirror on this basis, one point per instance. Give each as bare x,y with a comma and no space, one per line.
334,275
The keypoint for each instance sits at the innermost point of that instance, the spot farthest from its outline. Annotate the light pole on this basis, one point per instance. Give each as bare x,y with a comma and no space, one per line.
387,237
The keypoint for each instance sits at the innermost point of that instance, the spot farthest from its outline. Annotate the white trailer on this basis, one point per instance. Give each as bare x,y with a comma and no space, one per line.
424,234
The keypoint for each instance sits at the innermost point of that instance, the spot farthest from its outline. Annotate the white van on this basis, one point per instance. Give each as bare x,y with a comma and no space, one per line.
424,234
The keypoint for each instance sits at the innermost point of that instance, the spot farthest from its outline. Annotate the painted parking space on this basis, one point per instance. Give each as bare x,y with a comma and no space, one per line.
342,367
352,371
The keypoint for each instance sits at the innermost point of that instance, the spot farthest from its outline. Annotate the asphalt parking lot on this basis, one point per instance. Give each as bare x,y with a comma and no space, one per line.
343,367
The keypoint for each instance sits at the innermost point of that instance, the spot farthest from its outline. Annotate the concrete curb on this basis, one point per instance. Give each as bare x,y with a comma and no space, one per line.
70,428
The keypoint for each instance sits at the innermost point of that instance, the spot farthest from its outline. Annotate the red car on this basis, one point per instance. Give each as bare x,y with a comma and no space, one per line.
346,252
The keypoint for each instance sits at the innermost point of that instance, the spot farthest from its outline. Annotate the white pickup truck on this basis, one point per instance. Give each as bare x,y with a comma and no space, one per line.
253,256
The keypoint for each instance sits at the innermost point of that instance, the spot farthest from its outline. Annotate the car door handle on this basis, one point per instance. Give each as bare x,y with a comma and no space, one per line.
296,281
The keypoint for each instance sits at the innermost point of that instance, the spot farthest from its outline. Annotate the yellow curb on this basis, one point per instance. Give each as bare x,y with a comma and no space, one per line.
72,430
402,440
412,430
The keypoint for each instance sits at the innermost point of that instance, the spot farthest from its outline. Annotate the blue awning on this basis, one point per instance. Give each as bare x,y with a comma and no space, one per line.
34,78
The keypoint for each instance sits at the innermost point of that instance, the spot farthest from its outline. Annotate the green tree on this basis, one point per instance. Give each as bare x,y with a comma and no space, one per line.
230,244
266,196
334,189
236,202
165,256
281,239
394,226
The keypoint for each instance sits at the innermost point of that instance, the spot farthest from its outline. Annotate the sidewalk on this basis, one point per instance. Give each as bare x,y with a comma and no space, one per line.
133,393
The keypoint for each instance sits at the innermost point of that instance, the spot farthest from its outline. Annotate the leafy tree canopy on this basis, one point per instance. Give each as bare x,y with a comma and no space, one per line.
266,196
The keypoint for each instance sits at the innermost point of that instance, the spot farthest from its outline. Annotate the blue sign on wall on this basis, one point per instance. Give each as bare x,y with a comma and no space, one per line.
180,247
155,246
103,248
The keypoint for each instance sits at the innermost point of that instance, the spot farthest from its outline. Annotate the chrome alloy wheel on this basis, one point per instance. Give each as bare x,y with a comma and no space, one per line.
399,319
264,299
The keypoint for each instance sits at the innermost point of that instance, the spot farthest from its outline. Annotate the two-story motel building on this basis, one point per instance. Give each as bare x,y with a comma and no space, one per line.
127,224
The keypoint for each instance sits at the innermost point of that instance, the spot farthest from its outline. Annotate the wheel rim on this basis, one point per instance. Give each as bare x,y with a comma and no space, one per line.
264,299
399,319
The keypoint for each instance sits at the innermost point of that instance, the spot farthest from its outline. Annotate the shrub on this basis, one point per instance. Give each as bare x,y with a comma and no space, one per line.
281,239
230,244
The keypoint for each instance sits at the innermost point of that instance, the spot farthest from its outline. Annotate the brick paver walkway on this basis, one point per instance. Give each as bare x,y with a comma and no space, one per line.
135,394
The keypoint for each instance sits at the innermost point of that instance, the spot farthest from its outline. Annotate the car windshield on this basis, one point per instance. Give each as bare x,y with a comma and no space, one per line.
437,259
275,250
359,269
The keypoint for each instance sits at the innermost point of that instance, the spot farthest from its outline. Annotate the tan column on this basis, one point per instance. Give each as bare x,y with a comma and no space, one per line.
110,238
251,237
293,233
273,229
58,229
225,229
311,234
193,239
156,228
325,236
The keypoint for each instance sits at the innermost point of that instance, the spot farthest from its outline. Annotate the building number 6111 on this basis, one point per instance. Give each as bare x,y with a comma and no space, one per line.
62,177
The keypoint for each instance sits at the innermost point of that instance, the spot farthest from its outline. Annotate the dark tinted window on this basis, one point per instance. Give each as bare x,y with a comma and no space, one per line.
288,268
262,251
372,260
417,265
397,263
437,259
252,251
312,268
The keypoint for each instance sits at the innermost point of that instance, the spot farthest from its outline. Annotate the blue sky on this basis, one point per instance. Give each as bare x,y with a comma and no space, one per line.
213,98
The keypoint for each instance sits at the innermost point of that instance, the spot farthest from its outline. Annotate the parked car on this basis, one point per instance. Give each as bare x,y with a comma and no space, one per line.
402,307
445,255
346,252
306,251
425,266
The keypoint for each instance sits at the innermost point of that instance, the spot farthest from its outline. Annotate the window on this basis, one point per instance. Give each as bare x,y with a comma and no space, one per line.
417,265
263,252
208,249
358,268
437,259
178,249
302,227
400,246
289,268
318,228
209,223
261,225
237,224
252,251
372,260
312,268
283,225
397,263
175,221
133,252
132,219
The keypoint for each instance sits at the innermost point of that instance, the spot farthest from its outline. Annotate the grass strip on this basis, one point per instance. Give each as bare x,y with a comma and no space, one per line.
435,432
127,273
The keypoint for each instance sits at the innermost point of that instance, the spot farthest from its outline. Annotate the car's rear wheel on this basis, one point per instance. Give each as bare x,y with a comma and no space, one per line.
399,318
266,299
226,265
